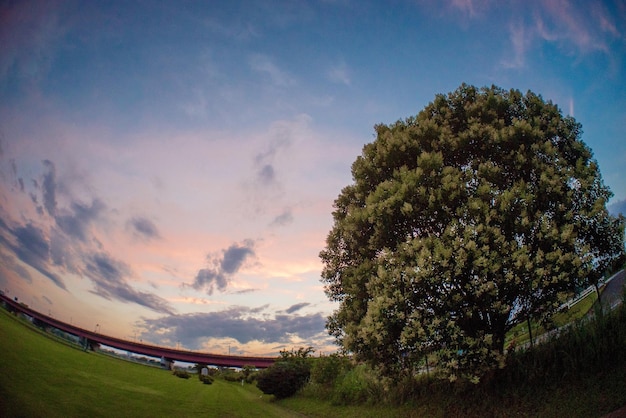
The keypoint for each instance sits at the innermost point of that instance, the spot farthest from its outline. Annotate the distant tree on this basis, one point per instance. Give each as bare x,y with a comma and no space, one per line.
483,210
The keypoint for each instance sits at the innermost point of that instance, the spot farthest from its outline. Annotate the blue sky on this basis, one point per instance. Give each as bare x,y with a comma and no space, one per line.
167,169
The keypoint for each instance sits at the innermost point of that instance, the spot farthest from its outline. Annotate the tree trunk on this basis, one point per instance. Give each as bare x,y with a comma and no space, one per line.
530,331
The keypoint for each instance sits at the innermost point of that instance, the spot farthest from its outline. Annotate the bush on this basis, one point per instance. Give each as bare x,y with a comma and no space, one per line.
206,379
249,374
358,385
181,373
283,379
327,369
288,375
231,375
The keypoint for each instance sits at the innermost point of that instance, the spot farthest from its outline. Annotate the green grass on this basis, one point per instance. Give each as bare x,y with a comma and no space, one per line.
41,377
520,331
580,376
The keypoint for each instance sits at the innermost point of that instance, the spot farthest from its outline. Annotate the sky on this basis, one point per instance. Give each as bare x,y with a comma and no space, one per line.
168,169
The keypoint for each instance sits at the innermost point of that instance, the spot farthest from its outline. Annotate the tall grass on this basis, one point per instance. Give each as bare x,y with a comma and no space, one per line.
579,373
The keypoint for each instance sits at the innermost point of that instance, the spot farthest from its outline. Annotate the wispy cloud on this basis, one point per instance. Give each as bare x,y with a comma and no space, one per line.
9,264
575,28
30,33
49,187
63,240
241,31
340,74
571,24
110,278
33,248
469,8
75,221
265,65
284,218
520,42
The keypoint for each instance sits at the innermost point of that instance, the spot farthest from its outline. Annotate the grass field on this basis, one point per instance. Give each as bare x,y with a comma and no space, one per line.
44,377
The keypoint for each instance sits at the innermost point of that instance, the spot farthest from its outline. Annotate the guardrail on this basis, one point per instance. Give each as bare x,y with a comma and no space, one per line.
141,348
586,292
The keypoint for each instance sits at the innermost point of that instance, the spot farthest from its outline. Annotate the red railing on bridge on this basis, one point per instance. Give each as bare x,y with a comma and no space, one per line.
141,348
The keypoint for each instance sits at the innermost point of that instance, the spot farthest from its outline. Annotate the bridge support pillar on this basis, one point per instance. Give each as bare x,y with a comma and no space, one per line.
88,344
167,363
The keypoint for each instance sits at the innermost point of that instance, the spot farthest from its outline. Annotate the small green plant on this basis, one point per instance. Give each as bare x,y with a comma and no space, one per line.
231,375
249,374
183,374
206,379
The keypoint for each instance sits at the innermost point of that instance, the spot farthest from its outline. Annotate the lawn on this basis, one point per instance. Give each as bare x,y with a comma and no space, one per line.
43,377
46,376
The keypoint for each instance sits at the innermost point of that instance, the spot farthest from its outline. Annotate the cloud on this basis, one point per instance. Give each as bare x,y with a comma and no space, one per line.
8,263
34,249
296,307
75,222
29,33
264,161
266,174
571,27
339,74
471,8
617,208
570,23
238,322
223,267
143,228
520,42
48,186
263,64
285,218
109,277
604,18
235,255
233,30
69,244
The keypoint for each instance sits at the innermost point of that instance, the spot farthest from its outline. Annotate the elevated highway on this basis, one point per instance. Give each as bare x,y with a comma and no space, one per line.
169,354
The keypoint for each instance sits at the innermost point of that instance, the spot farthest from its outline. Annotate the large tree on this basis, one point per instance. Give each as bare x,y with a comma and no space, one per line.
483,210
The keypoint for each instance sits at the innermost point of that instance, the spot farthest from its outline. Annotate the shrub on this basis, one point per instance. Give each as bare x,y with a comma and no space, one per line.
181,373
231,375
206,379
358,385
288,375
325,370
283,379
249,374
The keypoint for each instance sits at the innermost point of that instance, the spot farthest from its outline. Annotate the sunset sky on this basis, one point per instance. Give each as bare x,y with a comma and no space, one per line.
168,169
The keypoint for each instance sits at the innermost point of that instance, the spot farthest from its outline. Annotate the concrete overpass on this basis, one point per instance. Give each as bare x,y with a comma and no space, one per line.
169,354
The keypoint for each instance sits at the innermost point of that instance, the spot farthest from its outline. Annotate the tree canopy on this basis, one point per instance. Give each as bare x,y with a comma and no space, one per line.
483,210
